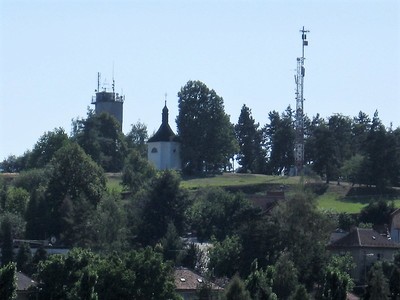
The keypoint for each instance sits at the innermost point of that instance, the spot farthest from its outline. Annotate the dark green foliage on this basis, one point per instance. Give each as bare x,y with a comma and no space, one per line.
137,172
303,231
335,285
35,216
8,282
108,225
16,200
24,259
346,221
259,283
285,277
378,287
172,245
76,185
162,204
251,156
207,136
325,162
44,149
376,213
14,164
219,213
60,274
351,169
280,135
236,290
102,139
40,255
224,257
7,243
136,275
301,293
193,257
137,137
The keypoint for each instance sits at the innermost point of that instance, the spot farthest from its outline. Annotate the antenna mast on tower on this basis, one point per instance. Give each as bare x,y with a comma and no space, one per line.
299,79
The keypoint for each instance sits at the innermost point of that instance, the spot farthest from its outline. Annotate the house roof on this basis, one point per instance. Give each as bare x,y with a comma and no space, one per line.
395,219
24,282
187,280
164,133
363,237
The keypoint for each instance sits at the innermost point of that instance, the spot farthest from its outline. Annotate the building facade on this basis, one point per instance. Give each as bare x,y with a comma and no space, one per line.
163,148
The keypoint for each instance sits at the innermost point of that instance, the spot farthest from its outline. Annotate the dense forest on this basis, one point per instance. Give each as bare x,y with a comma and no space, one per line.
126,247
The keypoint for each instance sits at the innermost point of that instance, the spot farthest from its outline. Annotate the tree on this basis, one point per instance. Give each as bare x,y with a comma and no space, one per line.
8,282
302,230
378,288
137,137
108,230
251,156
359,130
14,164
351,169
280,135
24,259
324,161
224,257
59,276
236,290
16,200
163,203
340,126
172,245
137,172
208,137
285,277
259,282
377,213
218,213
45,147
380,156
102,139
76,184
7,246
394,280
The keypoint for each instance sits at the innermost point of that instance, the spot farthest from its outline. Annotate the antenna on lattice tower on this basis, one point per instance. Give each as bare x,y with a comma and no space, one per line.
299,122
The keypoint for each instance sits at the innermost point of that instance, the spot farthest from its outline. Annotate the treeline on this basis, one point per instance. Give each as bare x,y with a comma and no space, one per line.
61,192
359,149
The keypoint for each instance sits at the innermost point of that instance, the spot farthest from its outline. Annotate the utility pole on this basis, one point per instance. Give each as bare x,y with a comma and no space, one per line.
299,123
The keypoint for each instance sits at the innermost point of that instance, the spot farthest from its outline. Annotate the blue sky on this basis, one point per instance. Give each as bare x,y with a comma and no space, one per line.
51,51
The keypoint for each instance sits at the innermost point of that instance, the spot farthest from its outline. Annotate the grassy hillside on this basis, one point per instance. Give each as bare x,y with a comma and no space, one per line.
333,197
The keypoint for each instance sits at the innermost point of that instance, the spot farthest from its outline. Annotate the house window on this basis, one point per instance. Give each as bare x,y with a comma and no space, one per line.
154,150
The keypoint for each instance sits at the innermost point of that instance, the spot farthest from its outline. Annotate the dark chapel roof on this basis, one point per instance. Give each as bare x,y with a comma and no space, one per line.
164,133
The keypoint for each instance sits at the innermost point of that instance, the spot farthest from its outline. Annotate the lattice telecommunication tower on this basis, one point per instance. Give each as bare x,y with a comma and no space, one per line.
299,122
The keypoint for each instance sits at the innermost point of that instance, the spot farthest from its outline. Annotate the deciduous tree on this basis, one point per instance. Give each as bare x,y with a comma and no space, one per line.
208,137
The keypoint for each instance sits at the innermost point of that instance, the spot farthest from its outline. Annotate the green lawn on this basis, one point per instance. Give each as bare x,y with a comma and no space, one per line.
229,179
333,202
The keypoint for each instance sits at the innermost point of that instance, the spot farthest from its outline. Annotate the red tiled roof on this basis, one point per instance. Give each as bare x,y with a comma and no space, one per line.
187,280
363,237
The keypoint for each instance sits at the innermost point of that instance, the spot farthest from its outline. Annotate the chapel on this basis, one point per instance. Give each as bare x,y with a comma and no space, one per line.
163,148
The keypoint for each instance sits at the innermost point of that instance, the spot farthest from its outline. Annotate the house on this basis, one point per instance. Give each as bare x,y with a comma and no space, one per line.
366,246
188,284
395,226
25,286
163,148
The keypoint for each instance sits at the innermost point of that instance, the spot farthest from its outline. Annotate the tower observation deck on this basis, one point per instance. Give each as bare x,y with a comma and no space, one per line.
108,101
